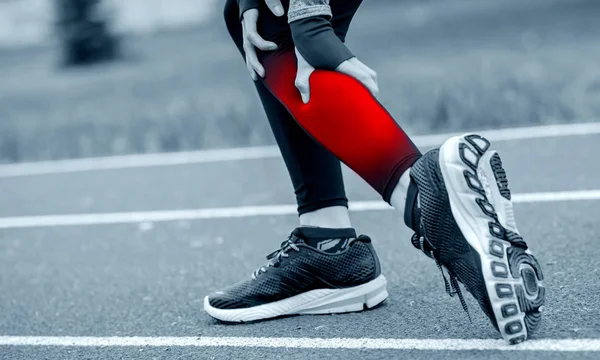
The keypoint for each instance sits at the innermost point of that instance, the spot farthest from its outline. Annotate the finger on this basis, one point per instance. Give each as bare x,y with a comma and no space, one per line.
252,60
362,65
352,69
257,66
374,88
251,71
369,71
275,7
373,76
303,74
259,42
302,81
251,34
369,83
302,84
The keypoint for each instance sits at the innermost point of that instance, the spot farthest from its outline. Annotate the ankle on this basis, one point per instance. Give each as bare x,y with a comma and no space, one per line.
333,217
398,198
404,199
412,213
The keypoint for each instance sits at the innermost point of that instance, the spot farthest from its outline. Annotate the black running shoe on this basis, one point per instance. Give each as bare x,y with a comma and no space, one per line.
312,273
463,218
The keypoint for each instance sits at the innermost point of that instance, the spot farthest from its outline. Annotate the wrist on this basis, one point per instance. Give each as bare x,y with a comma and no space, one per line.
316,40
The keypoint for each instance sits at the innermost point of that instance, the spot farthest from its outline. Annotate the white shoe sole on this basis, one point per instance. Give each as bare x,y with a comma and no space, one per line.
322,301
480,201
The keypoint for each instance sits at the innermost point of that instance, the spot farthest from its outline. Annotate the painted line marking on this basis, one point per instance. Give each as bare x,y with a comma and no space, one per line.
242,211
264,152
562,345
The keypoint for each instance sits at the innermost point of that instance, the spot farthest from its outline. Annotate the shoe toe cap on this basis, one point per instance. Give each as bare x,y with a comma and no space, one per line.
225,301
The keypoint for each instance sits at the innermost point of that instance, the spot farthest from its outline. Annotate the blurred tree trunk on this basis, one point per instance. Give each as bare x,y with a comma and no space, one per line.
84,30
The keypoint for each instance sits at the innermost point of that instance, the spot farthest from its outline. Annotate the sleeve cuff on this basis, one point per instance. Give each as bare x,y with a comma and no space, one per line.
245,5
300,13
317,42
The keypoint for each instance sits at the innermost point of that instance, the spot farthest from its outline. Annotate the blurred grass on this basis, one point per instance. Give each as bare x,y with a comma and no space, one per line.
442,67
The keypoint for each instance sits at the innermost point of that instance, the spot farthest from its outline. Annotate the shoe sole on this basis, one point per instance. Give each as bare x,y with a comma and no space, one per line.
480,200
314,302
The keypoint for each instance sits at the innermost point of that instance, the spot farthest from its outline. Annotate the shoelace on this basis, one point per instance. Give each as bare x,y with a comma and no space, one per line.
275,257
452,286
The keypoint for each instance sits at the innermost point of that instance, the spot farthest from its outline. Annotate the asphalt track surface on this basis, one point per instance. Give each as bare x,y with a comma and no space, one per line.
149,280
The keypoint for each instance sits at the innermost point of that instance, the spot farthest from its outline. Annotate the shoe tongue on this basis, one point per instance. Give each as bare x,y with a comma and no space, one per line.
324,239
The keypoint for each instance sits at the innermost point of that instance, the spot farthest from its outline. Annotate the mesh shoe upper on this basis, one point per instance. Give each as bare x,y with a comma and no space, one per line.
300,271
439,235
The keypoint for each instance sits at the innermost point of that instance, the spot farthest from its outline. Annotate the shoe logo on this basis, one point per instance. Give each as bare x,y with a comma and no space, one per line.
331,244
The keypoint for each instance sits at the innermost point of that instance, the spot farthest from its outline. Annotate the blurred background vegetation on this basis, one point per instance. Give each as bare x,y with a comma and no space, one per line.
156,76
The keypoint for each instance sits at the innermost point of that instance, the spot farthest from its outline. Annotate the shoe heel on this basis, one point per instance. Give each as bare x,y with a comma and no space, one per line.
529,289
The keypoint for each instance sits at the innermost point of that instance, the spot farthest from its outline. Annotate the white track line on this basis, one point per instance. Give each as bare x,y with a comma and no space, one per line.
263,152
242,211
562,345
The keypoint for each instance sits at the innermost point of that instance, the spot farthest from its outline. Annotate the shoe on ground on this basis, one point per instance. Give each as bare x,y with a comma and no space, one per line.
333,275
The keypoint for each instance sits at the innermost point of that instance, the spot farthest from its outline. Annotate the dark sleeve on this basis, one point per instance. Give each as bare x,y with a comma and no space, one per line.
317,42
247,5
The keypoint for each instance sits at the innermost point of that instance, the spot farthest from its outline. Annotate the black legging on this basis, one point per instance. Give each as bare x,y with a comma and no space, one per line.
314,170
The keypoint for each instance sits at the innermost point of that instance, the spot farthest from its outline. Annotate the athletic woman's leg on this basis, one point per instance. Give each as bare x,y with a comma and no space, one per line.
323,269
315,173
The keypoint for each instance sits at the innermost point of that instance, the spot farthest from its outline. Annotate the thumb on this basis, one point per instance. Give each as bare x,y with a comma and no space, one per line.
303,74
275,7
303,85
